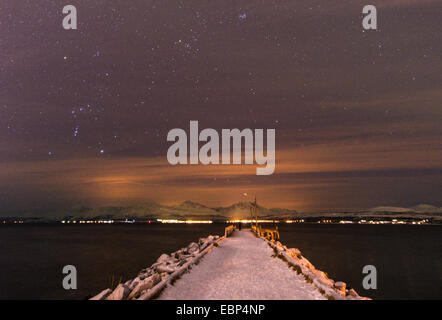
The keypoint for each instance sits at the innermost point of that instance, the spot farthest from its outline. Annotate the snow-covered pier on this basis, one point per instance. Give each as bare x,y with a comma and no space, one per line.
242,266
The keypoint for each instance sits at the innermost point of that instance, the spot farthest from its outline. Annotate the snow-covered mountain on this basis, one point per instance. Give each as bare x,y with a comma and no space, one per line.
239,210
242,210
186,209
420,208
427,208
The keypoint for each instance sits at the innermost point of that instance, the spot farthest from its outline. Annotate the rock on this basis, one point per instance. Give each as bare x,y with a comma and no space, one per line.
165,268
144,285
163,258
142,276
341,287
180,254
353,293
323,283
102,295
182,262
322,275
120,293
204,246
193,247
176,255
306,263
294,253
143,273
134,283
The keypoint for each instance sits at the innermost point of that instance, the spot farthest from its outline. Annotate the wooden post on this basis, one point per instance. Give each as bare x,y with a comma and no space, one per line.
256,214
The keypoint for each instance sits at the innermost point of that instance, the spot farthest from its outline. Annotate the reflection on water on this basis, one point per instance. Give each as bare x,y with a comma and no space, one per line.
32,256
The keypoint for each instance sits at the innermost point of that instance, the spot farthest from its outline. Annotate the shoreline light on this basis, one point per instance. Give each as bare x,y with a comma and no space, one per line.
184,221
253,220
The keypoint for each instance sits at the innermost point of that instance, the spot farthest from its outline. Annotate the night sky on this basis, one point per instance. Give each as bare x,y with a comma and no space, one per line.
84,114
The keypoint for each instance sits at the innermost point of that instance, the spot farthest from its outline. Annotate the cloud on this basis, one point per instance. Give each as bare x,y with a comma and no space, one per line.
305,177
403,3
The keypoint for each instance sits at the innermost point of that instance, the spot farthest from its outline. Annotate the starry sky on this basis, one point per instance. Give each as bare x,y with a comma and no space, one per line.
84,114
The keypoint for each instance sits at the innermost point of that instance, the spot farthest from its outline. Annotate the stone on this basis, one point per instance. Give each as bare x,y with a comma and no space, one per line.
341,287
120,293
144,285
193,247
163,258
165,268
353,293
294,253
134,283
182,262
102,295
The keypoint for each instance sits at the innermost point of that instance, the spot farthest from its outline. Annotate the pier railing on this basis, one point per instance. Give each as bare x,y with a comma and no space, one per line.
268,233
228,231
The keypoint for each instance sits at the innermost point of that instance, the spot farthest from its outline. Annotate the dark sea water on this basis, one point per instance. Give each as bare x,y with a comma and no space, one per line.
408,258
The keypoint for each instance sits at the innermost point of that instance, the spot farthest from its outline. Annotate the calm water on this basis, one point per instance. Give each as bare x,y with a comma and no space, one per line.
408,258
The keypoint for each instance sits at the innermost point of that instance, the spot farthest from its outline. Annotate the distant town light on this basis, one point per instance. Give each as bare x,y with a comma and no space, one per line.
183,221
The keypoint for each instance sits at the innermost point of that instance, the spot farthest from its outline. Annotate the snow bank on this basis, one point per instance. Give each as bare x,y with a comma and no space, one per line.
329,288
151,281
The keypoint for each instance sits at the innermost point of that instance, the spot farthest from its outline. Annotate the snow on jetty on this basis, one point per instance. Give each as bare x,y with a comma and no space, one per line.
243,266
151,281
327,287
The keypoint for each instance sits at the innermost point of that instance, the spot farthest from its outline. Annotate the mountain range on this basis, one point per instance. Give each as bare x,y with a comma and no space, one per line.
239,210
185,210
